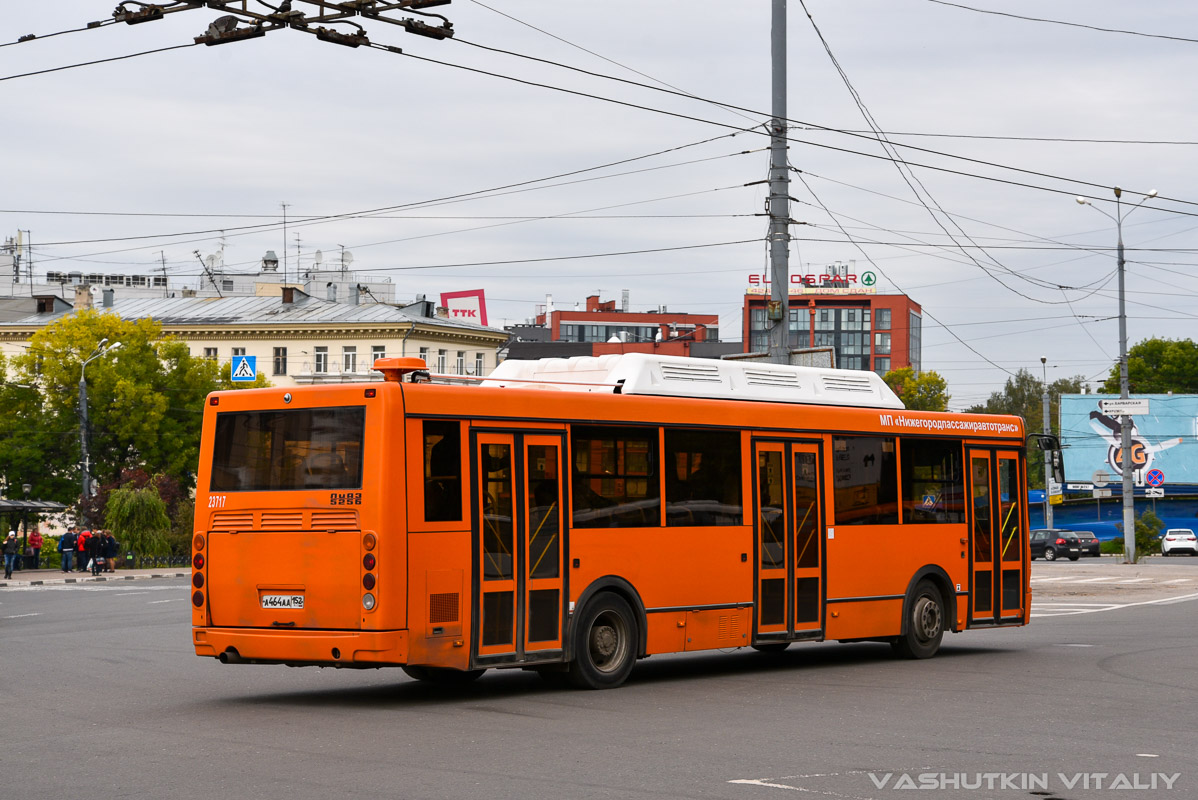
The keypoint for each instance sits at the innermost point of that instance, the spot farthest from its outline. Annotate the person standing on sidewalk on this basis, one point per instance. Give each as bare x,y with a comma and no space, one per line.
110,551
81,550
95,552
66,546
11,548
35,544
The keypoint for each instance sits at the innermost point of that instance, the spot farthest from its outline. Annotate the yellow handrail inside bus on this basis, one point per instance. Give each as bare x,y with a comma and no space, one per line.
1005,522
533,538
802,522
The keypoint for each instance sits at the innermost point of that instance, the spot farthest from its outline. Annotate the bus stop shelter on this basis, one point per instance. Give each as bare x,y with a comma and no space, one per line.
29,511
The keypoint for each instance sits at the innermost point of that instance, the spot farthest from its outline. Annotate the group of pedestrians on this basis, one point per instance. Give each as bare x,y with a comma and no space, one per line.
88,550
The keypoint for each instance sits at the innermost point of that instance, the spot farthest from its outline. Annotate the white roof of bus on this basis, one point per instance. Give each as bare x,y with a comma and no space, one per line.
674,376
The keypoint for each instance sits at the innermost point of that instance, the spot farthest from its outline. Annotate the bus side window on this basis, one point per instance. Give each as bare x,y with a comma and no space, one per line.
933,481
865,480
442,471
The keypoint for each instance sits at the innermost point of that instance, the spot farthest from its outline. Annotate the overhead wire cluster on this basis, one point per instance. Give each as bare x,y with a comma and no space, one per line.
241,22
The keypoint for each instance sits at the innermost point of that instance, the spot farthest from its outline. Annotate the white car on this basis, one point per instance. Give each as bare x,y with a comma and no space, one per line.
1179,540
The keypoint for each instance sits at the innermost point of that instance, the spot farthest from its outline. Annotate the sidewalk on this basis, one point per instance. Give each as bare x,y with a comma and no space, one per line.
46,577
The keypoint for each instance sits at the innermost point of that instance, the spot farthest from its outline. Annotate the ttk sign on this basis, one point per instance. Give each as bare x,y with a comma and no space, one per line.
468,306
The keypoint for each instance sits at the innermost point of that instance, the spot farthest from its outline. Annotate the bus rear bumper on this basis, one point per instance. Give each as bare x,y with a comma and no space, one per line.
302,648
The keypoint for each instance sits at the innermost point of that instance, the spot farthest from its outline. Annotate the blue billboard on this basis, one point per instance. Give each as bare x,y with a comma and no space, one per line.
1164,439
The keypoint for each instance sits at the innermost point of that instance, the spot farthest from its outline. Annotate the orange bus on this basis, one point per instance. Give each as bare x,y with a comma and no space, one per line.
571,516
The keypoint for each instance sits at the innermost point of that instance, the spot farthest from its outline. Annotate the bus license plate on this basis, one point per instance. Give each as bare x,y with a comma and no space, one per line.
282,601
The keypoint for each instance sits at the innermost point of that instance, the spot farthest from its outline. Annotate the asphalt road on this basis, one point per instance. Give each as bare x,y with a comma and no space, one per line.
103,698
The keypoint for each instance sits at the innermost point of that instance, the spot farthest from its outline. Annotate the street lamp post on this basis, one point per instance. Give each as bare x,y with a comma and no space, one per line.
83,425
1125,465
1047,461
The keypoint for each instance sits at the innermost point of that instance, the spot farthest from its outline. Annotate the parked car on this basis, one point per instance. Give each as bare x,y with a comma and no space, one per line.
1054,544
1179,540
1088,543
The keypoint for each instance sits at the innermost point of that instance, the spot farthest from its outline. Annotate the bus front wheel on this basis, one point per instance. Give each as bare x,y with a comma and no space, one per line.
605,643
924,623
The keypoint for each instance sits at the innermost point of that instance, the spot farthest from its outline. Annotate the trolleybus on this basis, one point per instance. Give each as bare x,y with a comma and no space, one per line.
572,516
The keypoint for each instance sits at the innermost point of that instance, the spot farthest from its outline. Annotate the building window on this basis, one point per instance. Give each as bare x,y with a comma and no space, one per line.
881,365
226,286
882,343
322,360
825,319
280,360
442,356
238,351
479,364
460,366
349,358
377,351
913,341
757,319
882,319
424,355
210,352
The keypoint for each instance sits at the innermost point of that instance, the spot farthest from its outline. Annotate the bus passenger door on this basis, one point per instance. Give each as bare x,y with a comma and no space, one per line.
789,590
518,546
996,525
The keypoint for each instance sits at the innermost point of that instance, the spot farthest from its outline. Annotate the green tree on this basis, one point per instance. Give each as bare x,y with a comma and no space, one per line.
922,392
145,404
1148,535
138,520
1023,396
1157,366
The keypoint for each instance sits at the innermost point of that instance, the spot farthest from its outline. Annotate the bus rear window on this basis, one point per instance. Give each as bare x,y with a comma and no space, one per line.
303,448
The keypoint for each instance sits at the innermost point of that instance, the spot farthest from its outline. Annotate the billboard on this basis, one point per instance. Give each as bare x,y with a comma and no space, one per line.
468,306
1165,438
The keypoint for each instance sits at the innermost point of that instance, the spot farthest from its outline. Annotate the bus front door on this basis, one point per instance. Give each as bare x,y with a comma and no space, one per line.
788,521
999,547
518,591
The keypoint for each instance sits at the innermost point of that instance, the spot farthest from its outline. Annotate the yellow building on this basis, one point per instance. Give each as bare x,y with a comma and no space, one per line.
296,339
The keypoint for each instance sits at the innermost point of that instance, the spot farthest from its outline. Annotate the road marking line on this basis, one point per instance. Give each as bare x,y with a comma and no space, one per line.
169,600
18,616
1099,579
1134,580
1116,607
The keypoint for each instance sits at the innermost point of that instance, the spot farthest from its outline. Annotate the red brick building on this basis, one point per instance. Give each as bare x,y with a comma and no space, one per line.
878,332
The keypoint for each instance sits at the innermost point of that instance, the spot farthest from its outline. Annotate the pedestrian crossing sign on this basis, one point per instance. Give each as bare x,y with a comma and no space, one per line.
245,368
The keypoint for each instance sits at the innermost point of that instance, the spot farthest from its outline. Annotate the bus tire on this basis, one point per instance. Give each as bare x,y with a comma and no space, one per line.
924,624
443,676
772,648
605,643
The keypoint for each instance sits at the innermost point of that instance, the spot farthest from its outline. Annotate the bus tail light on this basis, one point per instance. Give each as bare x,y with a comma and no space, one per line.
367,601
368,561
197,599
198,542
197,561
368,581
197,580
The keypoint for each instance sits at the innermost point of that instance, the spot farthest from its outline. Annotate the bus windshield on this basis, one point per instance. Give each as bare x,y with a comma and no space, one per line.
303,448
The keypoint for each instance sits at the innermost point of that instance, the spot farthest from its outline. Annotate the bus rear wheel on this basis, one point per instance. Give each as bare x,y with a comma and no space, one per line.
924,623
443,676
605,644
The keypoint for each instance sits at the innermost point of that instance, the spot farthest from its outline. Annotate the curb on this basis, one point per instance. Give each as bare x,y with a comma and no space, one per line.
91,579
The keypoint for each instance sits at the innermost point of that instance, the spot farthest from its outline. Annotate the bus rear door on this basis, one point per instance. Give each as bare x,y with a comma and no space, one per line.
518,548
788,517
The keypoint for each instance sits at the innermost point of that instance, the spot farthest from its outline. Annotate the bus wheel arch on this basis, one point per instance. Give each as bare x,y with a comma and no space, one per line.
924,623
618,586
948,595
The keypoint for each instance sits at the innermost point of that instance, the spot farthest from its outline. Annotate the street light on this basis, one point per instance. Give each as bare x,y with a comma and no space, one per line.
83,426
1047,461
1125,466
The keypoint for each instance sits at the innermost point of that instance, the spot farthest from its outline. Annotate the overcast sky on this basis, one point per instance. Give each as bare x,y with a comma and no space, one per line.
145,152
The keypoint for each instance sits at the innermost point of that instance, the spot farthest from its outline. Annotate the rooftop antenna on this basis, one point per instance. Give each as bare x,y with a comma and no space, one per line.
208,271
347,258
284,205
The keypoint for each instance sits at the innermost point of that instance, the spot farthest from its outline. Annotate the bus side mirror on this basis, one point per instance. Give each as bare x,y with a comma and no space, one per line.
1057,462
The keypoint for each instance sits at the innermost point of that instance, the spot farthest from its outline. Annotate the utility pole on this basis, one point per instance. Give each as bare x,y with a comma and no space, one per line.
778,207
284,205
1047,459
165,289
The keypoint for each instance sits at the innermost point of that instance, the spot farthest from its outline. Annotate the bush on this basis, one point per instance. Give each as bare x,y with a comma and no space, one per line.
1148,536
